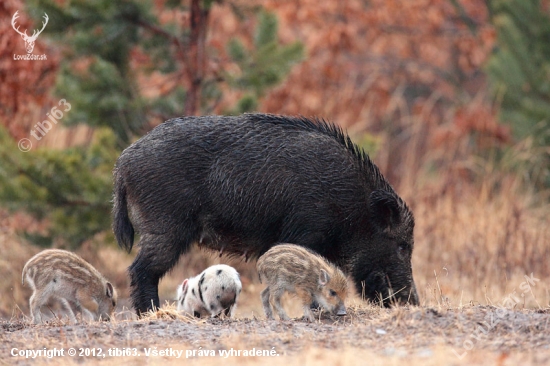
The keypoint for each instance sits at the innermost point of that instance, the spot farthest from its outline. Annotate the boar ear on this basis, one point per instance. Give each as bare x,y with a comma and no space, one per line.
385,209
110,290
323,278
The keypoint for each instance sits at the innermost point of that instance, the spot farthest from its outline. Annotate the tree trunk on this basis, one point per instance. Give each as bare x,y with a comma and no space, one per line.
196,56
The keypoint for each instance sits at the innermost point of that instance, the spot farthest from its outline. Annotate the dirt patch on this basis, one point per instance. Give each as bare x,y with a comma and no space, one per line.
426,335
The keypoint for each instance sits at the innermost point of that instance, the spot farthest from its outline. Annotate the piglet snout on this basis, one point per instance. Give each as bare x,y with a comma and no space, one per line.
341,310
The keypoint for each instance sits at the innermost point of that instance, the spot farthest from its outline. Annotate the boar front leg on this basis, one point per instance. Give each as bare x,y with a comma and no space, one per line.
307,300
86,305
158,254
68,309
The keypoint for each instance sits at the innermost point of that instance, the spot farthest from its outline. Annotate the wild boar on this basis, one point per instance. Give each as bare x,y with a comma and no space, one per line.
239,185
294,269
64,276
212,292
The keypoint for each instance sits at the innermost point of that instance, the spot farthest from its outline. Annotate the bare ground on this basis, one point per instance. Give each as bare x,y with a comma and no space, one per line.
367,335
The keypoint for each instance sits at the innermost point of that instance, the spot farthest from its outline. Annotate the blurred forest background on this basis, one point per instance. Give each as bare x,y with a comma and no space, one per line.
451,98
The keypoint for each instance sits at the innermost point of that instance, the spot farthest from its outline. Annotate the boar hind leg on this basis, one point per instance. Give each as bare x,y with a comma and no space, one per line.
276,295
158,254
40,297
35,303
266,304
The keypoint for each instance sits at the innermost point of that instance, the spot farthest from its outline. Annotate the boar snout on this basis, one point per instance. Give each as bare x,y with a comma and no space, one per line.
341,310
404,297
389,288
403,293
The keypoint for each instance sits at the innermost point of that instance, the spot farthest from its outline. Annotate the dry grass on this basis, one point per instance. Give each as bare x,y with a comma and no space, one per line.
416,335
476,248
475,241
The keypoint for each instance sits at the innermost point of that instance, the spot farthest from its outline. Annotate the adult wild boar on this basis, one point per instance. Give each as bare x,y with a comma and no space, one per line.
240,185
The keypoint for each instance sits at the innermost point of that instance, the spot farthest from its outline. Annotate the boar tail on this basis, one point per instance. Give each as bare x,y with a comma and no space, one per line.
24,272
23,275
122,227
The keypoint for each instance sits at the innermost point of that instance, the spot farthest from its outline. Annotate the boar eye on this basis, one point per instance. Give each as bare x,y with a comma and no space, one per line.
403,247
332,293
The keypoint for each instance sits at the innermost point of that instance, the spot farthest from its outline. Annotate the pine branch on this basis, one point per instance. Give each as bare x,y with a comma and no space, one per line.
159,31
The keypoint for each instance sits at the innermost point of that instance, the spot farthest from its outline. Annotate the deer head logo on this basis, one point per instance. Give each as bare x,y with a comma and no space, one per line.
29,41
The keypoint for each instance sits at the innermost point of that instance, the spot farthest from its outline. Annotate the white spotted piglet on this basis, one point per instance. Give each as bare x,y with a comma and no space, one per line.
212,292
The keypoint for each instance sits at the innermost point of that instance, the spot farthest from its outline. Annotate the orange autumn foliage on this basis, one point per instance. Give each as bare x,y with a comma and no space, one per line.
24,84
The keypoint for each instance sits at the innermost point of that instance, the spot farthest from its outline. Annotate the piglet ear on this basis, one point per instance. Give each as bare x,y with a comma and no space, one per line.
385,209
323,278
110,290
184,286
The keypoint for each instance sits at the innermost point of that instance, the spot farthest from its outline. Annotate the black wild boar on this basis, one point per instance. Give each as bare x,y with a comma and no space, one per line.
240,185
